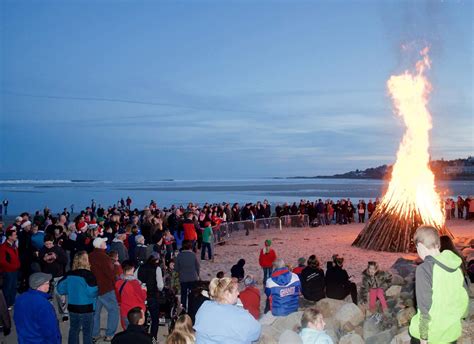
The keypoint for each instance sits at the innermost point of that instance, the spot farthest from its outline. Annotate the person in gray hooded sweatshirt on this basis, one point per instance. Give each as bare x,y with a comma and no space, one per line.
187,265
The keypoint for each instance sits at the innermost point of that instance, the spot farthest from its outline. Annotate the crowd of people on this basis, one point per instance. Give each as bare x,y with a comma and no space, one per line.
142,266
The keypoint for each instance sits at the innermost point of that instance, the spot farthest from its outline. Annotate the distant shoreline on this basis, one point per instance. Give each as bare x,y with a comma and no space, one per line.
458,178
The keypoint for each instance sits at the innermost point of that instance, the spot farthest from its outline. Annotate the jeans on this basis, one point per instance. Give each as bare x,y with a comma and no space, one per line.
185,288
78,321
109,301
206,245
10,283
267,272
154,309
60,299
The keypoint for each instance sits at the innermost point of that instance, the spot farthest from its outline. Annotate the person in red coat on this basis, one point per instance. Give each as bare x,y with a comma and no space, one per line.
130,292
9,266
189,228
266,259
250,297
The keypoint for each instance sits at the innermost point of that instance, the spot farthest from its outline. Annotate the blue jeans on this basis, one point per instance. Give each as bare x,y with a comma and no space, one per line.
109,301
10,284
267,272
78,321
206,245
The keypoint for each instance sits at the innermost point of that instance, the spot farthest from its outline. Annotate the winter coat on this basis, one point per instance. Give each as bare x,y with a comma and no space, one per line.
130,294
135,334
312,336
313,283
187,265
80,286
442,299
283,289
237,270
266,259
103,269
337,280
39,326
54,267
118,245
381,279
9,258
189,230
250,298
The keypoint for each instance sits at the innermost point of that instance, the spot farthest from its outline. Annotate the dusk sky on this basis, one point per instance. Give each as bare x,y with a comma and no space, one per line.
222,89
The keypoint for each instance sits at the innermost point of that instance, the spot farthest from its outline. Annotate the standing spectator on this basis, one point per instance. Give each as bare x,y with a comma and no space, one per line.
187,265
207,240
250,296
312,280
35,318
53,261
266,258
142,251
440,286
130,293
370,208
220,320
190,229
5,206
338,284
9,266
25,251
1,211
80,286
135,332
460,205
283,289
150,274
103,270
118,246
129,202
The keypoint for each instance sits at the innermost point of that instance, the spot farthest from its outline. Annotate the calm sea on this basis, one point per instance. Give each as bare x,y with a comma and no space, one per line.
30,195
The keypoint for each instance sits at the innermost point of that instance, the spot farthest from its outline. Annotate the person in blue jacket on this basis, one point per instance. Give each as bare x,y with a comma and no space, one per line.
35,318
80,286
220,320
283,289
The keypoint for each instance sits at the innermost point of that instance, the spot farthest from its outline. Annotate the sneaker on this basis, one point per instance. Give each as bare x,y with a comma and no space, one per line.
96,339
108,338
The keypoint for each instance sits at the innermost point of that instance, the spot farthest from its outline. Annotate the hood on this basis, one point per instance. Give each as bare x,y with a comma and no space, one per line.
281,276
448,260
241,262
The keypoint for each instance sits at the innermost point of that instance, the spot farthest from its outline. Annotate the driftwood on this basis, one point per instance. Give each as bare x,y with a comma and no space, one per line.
388,231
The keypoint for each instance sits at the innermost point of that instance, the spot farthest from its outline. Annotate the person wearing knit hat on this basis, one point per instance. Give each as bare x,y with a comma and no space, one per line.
301,265
81,226
42,323
266,258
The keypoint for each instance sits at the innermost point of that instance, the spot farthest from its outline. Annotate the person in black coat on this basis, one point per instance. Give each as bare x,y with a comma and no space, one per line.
237,270
338,285
135,332
312,280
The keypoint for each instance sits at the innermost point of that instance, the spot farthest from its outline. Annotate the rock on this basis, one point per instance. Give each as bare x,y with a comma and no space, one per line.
329,307
404,295
404,266
290,322
402,338
349,313
331,333
394,291
371,327
380,338
405,315
391,303
410,279
290,337
351,338
409,303
268,336
397,280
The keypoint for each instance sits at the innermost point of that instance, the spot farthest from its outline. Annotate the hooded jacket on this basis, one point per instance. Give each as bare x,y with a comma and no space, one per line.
442,299
266,259
237,270
283,289
313,283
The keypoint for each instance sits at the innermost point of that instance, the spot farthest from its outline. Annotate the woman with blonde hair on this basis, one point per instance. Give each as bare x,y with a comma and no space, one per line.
183,332
80,286
221,321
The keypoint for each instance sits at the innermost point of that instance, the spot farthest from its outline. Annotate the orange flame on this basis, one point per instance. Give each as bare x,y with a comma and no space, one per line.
412,189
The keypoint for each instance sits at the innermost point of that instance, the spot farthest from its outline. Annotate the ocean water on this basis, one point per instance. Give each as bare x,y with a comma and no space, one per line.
31,195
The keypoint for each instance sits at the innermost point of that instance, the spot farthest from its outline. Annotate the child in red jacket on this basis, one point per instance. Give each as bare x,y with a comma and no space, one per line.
266,259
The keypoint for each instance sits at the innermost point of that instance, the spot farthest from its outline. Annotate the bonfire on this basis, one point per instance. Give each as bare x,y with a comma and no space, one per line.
411,198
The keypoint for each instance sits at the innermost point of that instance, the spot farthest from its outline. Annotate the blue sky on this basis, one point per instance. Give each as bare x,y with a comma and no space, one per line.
234,89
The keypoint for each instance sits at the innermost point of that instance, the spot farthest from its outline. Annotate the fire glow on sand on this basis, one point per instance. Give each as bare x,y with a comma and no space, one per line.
411,199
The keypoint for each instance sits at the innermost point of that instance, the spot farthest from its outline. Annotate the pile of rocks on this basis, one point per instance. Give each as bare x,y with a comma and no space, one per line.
347,323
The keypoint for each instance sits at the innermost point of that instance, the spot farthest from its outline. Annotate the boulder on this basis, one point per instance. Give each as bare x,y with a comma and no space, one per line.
289,322
290,337
349,313
351,338
404,295
397,279
383,337
394,291
404,266
329,307
402,338
371,327
404,316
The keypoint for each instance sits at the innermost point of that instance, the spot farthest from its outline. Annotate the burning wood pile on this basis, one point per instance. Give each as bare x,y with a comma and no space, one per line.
411,199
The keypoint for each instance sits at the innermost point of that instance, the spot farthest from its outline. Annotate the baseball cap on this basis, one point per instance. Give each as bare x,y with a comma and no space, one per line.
97,243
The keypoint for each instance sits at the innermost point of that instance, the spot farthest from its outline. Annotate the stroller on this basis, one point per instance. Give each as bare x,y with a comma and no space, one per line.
170,308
